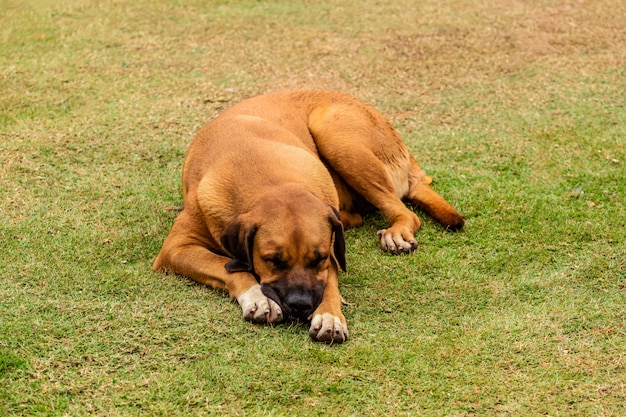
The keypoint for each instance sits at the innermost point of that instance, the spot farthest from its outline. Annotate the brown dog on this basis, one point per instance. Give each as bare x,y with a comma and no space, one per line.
268,187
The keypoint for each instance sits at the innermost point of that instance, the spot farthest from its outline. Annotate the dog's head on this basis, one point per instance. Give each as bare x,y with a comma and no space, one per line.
291,245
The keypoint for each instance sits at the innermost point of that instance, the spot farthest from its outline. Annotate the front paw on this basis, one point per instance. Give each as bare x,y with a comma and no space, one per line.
258,308
395,240
328,328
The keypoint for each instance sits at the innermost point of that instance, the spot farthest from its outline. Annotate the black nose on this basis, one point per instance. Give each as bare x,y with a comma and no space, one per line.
300,303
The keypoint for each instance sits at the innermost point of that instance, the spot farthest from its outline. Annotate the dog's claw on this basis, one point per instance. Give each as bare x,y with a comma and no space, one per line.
328,328
258,308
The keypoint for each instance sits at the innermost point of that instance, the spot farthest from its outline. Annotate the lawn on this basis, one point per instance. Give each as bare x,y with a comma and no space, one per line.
517,109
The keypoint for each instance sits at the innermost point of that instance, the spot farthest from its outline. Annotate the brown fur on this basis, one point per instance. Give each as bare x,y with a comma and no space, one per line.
267,186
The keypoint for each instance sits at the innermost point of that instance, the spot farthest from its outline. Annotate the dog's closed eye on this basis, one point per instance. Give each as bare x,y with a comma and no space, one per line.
276,261
318,260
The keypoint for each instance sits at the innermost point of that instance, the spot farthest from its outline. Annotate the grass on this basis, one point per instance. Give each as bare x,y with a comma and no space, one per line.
517,109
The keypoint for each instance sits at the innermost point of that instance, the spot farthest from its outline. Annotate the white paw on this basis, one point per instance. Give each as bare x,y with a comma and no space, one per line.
397,242
328,328
258,308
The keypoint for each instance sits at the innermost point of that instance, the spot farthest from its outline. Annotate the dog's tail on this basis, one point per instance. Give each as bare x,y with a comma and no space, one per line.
422,195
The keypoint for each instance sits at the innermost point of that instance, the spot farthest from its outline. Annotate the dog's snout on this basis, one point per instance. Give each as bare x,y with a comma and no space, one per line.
296,302
300,302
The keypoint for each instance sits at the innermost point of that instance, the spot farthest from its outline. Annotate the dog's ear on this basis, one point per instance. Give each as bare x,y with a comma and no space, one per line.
238,240
339,247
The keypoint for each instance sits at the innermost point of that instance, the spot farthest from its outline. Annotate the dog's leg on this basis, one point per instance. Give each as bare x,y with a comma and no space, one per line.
328,323
346,139
426,198
184,255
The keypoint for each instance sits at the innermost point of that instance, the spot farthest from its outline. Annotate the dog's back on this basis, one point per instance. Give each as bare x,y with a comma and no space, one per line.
236,156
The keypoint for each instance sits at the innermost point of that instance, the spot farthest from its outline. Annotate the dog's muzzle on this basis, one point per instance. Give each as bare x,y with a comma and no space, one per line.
296,304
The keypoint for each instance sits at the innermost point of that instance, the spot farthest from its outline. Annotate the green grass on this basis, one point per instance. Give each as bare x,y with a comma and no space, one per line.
517,109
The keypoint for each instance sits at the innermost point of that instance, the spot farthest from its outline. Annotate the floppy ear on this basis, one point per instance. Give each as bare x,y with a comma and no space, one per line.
339,247
238,240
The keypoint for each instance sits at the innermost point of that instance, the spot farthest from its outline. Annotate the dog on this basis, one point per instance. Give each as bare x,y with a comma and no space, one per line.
268,188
